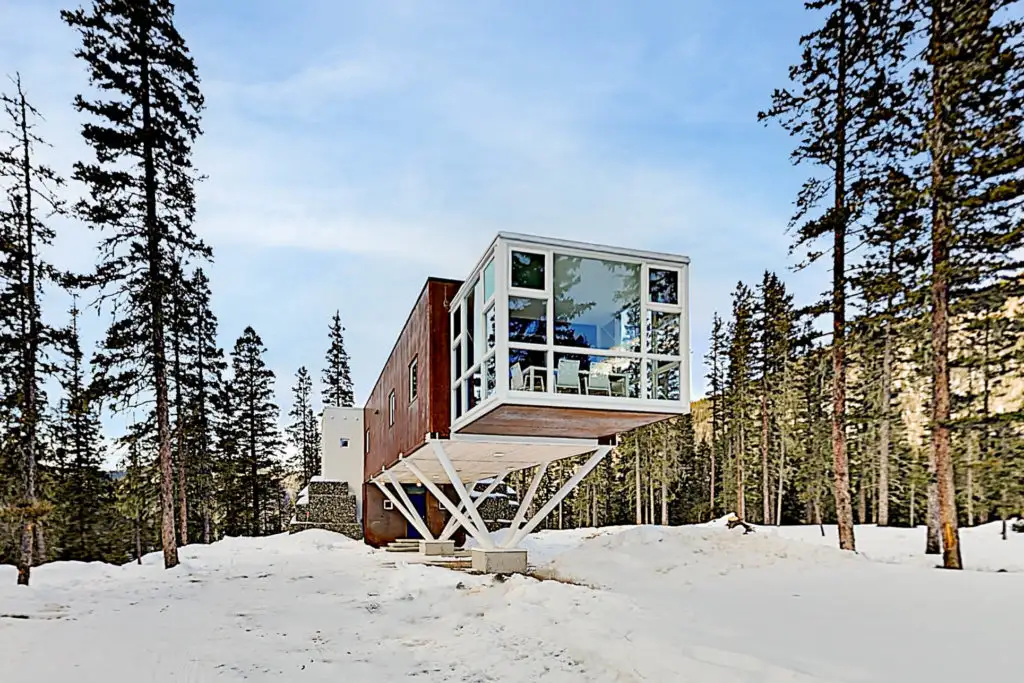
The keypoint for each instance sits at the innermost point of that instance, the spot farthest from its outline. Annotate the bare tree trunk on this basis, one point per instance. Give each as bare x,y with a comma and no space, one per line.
206,523
155,275
766,496
971,447
741,502
138,537
664,503
650,497
862,501
883,431
817,517
840,462
937,138
782,479
639,501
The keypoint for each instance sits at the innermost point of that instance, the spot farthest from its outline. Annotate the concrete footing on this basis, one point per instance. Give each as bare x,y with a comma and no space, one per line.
434,548
499,560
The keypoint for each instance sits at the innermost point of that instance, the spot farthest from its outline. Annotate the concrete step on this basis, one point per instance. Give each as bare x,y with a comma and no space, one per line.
401,549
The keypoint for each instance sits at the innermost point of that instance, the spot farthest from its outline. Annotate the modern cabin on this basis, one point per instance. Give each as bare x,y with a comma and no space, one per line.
548,350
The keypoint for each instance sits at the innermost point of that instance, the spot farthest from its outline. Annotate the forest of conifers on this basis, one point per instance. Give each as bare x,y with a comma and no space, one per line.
894,398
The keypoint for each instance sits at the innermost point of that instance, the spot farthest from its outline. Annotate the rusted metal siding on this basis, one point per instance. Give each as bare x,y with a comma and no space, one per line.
425,337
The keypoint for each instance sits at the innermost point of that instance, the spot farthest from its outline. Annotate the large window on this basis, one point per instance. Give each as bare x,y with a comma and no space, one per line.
570,322
597,303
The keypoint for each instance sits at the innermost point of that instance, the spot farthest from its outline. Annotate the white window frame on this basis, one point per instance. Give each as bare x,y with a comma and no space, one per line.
414,380
391,409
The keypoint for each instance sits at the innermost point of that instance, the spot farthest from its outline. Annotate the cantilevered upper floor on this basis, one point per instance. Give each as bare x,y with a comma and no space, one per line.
553,338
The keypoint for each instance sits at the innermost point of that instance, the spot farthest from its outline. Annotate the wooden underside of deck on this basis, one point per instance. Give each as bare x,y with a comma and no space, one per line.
554,422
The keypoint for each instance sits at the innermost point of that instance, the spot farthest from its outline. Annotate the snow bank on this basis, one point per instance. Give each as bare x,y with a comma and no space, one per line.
700,603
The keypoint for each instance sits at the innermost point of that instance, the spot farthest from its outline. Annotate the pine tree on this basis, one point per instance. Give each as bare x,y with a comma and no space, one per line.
840,110
970,107
205,365
303,432
84,498
739,378
143,121
252,393
337,377
24,336
715,360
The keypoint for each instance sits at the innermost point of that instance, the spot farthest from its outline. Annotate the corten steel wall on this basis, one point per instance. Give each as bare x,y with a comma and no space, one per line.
425,337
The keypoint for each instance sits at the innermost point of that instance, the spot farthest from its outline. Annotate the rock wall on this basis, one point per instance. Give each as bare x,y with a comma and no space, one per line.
326,504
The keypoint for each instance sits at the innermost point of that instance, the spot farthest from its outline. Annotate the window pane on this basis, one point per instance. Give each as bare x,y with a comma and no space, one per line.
474,390
457,397
489,374
457,322
527,270
597,303
457,352
528,370
664,286
597,375
471,314
663,333
413,379
489,324
489,280
527,320
664,384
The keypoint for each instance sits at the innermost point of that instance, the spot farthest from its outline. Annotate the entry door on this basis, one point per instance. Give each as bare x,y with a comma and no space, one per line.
419,503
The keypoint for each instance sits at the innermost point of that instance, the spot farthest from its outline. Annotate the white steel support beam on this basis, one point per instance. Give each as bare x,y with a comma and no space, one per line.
453,523
460,489
524,504
423,528
515,538
481,536
412,518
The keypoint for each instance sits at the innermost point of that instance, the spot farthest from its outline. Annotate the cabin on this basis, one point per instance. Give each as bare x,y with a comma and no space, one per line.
549,349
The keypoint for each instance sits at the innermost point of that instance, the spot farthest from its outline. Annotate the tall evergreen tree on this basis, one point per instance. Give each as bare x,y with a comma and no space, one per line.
738,383
839,109
84,496
970,102
205,367
303,432
24,336
143,121
252,394
715,360
337,377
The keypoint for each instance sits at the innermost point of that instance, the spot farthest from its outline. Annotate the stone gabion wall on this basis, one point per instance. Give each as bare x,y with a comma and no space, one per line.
497,512
327,505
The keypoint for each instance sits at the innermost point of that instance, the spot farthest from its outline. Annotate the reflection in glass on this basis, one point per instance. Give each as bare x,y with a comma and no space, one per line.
489,325
471,314
527,270
457,322
528,370
664,384
663,286
597,375
597,303
457,353
474,390
663,333
457,399
527,320
489,374
488,280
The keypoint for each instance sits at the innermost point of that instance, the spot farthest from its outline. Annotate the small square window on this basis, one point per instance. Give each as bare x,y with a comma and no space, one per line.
388,505
344,442
663,286
414,380
391,408
527,270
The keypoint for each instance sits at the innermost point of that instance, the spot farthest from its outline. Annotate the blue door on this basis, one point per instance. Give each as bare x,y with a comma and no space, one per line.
418,498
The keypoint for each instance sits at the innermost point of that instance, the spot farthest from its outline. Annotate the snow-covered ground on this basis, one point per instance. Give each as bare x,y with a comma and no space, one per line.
699,603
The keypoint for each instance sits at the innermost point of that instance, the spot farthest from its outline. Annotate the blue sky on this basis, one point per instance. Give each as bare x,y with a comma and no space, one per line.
355,148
